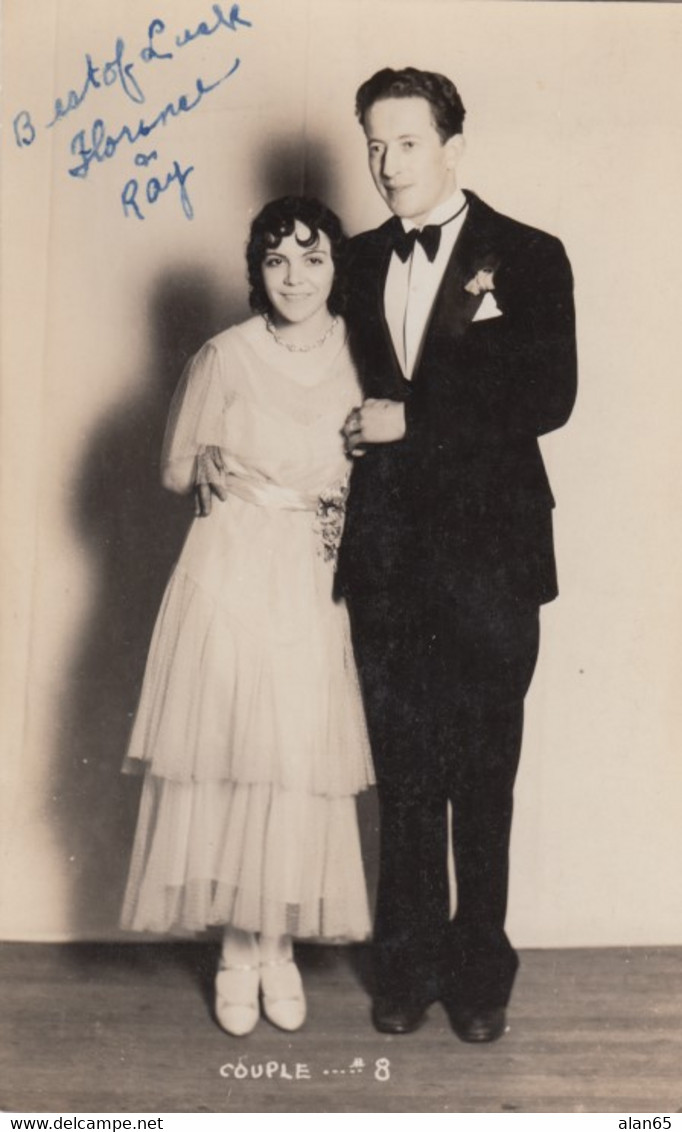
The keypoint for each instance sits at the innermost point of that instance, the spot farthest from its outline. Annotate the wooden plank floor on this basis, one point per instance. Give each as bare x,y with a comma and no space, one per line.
127,1028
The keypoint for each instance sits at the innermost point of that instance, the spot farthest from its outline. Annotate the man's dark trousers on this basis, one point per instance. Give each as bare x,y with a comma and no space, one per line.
444,681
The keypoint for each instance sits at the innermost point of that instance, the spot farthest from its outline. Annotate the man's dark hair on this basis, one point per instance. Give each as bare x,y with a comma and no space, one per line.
447,107
276,221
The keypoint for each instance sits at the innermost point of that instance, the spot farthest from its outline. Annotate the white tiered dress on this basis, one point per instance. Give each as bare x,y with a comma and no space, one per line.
250,726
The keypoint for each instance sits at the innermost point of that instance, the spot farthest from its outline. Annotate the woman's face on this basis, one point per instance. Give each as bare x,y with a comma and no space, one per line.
298,279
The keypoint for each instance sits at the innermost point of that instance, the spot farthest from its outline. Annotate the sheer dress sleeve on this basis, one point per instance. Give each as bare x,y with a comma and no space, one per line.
195,420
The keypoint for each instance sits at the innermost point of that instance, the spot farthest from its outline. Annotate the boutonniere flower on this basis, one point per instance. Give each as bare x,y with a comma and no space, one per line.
483,280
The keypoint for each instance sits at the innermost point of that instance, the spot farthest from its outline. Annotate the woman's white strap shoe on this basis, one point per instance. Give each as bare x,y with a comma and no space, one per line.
236,998
282,993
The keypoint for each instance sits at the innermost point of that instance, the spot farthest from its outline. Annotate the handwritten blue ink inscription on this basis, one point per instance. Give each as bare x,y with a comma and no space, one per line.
153,189
232,23
149,53
116,71
24,130
101,146
96,143
157,27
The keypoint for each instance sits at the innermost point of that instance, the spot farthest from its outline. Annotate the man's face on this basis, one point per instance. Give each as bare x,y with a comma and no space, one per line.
412,168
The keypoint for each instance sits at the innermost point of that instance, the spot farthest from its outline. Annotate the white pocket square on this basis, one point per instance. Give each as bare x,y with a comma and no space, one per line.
488,308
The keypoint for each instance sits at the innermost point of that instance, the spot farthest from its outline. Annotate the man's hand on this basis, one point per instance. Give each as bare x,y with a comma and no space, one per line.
374,422
210,472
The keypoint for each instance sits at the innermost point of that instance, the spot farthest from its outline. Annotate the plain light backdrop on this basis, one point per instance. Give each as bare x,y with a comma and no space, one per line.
573,125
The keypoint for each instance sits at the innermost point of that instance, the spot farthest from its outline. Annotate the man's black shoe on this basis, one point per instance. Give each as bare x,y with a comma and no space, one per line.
393,1016
478,1025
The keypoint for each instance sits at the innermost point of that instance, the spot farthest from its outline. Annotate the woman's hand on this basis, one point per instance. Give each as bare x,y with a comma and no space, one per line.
376,421
209,479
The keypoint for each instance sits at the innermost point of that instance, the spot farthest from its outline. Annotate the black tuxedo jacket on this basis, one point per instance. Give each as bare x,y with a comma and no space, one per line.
463,500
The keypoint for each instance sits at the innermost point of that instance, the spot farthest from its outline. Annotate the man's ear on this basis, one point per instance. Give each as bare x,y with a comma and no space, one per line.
455,147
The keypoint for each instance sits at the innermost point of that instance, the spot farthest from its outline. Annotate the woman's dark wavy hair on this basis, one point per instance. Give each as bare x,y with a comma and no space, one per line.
447,107
276,221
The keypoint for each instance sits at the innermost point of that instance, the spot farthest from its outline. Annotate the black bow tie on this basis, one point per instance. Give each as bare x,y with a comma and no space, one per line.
429,236
403,242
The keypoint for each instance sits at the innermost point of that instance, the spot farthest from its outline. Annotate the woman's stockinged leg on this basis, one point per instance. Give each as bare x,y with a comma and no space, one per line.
239,948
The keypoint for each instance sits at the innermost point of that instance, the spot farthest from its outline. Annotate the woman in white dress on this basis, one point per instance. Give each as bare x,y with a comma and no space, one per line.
250,727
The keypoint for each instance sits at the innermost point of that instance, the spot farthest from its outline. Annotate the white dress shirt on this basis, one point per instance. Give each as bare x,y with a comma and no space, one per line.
411,287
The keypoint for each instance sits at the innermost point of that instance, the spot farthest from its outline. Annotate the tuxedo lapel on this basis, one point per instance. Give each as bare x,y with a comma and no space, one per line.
381,372
454,307
381,287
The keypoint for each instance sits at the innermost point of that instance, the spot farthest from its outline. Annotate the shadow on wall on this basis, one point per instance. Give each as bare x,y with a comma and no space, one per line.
292,165
133,531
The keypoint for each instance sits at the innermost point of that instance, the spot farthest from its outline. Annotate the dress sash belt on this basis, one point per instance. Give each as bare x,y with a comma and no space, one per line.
265,494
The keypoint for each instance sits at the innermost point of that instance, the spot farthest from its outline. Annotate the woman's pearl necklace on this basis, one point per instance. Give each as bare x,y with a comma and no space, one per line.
292,347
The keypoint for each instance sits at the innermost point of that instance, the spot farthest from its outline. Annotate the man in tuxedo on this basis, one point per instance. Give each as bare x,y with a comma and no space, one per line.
462,327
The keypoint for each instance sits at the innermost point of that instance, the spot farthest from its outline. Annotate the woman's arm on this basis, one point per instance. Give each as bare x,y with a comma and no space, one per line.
191,453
